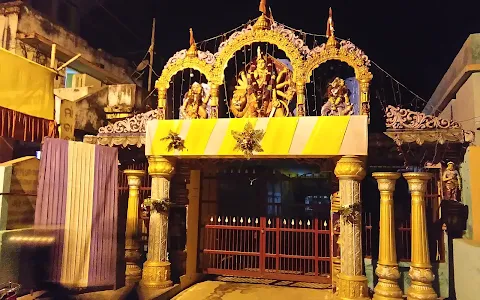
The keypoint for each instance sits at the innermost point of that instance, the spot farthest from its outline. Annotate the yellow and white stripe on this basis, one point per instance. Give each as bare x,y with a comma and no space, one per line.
284,137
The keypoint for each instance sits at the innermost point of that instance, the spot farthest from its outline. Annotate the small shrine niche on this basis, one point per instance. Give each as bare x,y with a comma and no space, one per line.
189,95
333,90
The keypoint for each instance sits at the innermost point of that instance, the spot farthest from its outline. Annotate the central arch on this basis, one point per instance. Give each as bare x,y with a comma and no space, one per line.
249,36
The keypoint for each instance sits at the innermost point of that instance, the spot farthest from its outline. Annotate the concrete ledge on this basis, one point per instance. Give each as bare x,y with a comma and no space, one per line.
465,63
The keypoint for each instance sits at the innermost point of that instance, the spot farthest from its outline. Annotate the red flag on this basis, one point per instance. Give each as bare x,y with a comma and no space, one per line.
263,6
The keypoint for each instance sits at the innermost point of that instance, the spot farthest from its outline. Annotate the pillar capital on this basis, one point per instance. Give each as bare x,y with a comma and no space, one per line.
350,167
386,180
159,166
417,181
134,177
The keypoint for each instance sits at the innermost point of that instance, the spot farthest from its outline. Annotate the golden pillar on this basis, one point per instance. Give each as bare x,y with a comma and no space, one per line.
162,103
387,267
156,270
133,271
352,284
300,88
420,269
214,92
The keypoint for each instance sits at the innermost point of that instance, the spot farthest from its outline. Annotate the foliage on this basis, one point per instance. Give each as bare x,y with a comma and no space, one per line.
176,142
162,205
351,212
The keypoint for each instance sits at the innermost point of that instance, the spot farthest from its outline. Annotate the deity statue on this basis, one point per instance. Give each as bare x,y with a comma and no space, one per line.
195,102
338,103
263,90
452,181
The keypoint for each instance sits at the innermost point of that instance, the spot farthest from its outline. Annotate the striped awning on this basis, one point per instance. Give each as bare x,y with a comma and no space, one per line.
284,137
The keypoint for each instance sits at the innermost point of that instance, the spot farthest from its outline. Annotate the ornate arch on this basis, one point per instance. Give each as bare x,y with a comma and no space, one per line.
202,62
344,51
278,35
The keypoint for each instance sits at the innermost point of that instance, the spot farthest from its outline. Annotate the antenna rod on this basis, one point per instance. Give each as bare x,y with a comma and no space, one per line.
150,50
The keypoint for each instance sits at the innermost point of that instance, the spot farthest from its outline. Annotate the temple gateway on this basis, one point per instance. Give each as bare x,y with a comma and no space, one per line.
258,165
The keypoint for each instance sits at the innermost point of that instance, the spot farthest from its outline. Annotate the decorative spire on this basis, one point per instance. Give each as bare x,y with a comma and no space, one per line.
192,51
263,22
263,7
331,42
192,39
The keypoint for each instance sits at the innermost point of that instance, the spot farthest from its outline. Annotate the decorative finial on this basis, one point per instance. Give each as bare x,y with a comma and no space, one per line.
330,28
192,39
331,42
263,21
192,51
263,7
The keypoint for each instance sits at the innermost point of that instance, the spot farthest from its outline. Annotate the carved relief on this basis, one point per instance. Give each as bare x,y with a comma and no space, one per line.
135,124
401,118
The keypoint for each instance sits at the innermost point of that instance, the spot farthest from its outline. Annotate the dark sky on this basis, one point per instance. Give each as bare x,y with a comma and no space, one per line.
414,42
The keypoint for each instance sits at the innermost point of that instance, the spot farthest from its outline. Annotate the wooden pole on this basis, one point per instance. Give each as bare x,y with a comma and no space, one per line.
69,61
152,45
52,56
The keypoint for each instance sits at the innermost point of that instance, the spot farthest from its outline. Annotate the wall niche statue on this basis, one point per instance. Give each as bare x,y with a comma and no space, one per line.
452,183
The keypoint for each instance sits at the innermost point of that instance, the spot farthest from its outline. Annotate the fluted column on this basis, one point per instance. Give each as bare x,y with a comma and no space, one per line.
420,269
387,267
133,271
156,270
352,284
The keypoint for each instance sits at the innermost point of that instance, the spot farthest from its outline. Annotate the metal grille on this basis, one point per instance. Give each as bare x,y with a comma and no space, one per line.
270,248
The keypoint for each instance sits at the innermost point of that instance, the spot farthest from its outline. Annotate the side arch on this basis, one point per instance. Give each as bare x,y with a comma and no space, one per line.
251,35
354,57
177,64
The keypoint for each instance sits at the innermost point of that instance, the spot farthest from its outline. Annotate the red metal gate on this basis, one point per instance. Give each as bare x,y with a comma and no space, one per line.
270,248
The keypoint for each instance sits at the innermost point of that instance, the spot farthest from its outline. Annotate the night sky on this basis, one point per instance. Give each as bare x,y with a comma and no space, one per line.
414,42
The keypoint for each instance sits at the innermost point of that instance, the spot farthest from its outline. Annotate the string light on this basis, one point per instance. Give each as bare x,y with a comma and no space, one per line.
398,99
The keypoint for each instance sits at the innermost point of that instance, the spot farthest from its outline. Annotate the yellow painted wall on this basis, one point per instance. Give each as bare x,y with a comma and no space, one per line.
470,173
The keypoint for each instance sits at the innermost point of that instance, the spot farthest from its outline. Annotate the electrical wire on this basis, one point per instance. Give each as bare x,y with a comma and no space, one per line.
120,22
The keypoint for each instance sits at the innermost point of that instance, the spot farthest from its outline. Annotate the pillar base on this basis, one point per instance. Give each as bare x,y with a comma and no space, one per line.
387,287
421,286
156,274
351,287
133,272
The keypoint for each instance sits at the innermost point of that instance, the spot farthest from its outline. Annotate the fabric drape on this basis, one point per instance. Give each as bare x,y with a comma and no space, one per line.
78,191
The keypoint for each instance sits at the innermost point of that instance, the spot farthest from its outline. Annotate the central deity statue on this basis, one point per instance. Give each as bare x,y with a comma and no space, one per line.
263,90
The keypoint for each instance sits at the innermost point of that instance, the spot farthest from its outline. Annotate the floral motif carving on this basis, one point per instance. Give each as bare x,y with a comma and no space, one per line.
387,272
421,275
248,140
346,52
248,36
135,124
203,63
401,118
